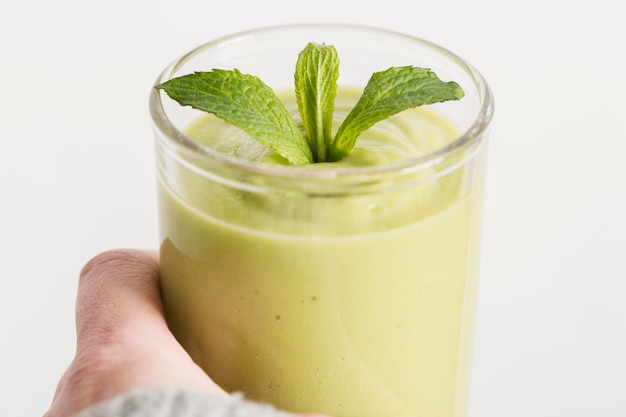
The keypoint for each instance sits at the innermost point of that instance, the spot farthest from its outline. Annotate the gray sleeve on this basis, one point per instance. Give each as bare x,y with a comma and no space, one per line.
179,403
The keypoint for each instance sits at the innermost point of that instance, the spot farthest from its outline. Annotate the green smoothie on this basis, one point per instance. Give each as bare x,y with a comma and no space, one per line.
357,302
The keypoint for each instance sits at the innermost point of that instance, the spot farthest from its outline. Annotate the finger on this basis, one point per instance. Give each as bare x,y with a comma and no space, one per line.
123,341
121,327
118,290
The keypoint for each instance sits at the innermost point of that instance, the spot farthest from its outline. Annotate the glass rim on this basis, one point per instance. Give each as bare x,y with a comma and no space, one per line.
470,139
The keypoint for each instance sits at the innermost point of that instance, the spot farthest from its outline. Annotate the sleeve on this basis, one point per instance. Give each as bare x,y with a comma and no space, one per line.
179,403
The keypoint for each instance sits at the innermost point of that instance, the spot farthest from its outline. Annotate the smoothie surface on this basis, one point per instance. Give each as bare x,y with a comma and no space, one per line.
411,133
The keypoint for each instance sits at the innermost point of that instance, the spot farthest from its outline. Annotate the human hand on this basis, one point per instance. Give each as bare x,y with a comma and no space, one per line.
123,342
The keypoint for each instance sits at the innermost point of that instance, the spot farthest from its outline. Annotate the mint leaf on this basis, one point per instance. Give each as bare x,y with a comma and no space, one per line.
317,71
387,93
246,102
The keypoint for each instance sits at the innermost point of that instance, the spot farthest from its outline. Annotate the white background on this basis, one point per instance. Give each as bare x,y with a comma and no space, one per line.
76,177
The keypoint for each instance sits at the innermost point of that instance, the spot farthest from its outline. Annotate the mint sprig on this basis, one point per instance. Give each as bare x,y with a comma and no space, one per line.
248,103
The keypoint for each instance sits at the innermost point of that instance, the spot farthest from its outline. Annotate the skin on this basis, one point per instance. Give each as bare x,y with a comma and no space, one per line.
123,341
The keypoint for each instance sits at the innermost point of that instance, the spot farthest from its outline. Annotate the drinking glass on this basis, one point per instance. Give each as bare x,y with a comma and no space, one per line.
347,290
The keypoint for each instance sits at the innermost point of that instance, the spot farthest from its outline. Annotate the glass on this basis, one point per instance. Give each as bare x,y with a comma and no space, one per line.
343,290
